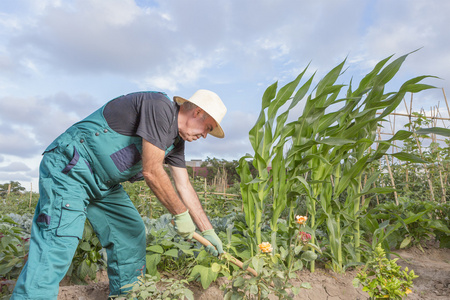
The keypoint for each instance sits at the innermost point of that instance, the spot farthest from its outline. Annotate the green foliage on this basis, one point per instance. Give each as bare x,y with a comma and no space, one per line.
274,270
23,221
152,287
207,269
409,223
273,278
166,254
214,205
321,156
383,278
17,201
144,200
14,245
88,258
13,187
214,165
425,179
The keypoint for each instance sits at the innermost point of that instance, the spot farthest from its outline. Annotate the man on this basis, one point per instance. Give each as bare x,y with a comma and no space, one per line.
128,139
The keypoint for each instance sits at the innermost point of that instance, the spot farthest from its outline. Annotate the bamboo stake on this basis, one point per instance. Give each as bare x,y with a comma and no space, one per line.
430,184
446,102
31,193
206,200
224,194
440,166
443,123
406,115
406,163
389,170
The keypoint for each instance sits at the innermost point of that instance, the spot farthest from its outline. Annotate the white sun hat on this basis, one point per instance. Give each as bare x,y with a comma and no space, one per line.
211,104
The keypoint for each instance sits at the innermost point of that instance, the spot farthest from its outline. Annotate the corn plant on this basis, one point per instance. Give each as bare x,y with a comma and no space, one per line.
321,154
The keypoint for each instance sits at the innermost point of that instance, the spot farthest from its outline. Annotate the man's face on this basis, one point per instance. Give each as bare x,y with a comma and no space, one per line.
198,125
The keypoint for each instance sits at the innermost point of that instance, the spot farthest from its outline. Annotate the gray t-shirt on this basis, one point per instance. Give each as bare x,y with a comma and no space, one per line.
152,116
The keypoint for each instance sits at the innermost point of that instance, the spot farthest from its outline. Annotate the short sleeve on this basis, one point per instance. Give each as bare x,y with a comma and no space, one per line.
176,157
155,121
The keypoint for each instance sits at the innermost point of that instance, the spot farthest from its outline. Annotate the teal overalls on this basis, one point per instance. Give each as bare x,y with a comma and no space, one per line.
79,177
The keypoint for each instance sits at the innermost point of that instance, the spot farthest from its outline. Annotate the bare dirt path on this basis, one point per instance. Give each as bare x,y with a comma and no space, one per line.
432,266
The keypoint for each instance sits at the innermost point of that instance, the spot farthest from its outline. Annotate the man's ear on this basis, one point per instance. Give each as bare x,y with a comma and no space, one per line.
197,112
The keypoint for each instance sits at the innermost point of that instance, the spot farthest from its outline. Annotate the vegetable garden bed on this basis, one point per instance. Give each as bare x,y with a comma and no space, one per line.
432,266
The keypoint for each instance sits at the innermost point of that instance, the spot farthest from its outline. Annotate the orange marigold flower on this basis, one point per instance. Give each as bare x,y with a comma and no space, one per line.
301,219
265,247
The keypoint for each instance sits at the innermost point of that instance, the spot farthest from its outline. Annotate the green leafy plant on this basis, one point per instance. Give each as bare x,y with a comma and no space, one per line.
383,278
16,199
321,155
167,252
409,223
442,213
275,270
208,268
273,277
164,253
88,258
150,287
14,245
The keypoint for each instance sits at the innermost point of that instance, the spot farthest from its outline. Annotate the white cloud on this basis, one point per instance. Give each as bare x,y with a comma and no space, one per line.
15,167
61,60
183,71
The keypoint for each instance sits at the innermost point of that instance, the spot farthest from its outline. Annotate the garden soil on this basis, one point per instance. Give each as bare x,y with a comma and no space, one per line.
432,265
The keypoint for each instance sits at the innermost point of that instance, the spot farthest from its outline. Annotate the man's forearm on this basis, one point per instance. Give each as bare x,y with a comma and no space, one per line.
159,183
196,210
190,198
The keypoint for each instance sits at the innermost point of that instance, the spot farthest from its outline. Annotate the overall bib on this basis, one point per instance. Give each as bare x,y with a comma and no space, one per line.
79,178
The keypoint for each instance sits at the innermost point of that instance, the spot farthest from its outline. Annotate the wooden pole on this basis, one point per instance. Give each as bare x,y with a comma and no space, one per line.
206,193
406,163
440,165
446,102
406,115
430,184
31,193
389,170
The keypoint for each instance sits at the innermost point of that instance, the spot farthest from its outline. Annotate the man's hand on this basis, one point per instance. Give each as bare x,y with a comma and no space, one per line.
212,237
184,225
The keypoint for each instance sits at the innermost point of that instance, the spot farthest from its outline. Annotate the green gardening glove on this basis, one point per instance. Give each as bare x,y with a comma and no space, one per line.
184,225
212,237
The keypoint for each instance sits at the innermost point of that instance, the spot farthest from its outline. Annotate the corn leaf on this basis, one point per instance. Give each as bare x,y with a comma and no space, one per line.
434,130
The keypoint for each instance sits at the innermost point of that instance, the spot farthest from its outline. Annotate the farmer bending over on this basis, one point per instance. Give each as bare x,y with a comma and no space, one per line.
128,139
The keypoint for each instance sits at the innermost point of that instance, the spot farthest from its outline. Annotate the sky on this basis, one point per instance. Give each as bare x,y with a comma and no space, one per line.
60,60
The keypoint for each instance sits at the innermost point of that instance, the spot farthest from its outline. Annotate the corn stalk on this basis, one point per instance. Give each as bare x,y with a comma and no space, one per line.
322,154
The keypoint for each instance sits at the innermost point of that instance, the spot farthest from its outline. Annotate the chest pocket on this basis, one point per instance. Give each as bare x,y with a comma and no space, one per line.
126,157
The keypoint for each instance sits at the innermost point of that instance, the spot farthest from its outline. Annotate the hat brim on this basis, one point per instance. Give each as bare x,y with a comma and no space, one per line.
217,131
